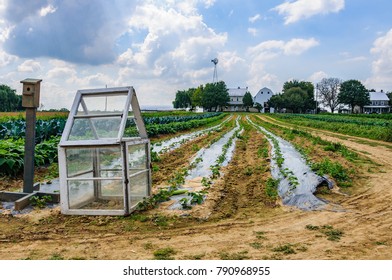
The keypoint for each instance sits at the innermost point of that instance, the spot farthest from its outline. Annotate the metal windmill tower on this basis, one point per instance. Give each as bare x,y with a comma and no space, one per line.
215,76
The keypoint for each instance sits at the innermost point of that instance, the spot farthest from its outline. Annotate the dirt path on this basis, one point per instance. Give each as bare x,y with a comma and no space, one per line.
243,223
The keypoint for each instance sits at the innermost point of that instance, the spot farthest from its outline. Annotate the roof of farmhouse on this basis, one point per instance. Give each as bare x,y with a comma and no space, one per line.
381,96
240,92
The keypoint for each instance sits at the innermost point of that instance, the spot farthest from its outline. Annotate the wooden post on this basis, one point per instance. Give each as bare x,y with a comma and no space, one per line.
28,176
30,100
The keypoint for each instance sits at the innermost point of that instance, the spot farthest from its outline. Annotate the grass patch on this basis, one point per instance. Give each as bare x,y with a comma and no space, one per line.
256,245
164,254
271,188
56,257
243,255
328,230
286,249
334,169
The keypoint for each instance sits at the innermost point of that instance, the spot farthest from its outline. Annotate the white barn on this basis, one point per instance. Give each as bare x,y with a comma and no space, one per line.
262,97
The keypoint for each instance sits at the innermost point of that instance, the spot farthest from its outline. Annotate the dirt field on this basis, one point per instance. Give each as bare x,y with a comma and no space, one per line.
237,221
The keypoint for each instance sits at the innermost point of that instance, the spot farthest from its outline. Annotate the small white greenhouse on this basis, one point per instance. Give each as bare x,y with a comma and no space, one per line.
104,154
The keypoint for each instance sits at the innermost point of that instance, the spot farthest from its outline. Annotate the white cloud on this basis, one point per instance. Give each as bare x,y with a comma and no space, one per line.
253,31
317,76
44,11
270,49
176,41
29,65
5,58
255,18
298,46
302,9
382,65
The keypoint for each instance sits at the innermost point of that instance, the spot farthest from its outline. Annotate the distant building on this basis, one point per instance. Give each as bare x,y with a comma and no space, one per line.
262,97
236,95
380,103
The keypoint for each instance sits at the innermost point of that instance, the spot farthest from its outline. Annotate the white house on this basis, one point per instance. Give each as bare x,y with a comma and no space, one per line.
262,97
379,103
236,95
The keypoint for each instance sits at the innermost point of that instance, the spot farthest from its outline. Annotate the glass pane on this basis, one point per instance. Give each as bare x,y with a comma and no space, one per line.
79,161
96,194
131,128
102,104
137,158
111,162
139,188
95,128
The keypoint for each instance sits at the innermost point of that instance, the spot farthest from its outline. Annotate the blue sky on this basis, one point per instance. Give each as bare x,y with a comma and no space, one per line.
160,47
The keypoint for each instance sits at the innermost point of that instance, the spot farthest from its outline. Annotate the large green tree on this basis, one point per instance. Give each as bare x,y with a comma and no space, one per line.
9,100
183,99
353,93
215,95
247,100
297,97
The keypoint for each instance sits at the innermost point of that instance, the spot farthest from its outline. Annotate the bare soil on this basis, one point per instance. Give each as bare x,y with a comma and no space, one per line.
238,221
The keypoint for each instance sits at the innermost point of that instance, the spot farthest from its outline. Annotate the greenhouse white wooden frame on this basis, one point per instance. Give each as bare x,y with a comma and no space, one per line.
125,186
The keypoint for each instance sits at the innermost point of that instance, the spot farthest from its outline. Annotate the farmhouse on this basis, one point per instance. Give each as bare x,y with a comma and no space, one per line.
262,97
236,95
379,103
236,100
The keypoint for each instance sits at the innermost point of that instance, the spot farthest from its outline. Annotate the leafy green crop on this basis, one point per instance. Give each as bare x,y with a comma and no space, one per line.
12,154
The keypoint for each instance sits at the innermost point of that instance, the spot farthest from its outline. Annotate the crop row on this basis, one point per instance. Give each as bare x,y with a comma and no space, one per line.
169,128
45,129
180,118
12,154
340,119
376,132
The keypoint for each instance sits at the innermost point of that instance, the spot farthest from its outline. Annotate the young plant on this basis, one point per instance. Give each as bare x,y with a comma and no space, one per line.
40,202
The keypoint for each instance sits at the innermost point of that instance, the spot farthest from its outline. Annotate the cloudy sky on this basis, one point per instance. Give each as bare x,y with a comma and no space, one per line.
163,46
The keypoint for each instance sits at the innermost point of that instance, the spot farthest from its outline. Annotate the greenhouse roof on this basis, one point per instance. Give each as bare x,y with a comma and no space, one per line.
99,116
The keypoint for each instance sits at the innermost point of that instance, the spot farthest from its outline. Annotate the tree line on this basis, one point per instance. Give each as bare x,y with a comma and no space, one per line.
211,96
9,100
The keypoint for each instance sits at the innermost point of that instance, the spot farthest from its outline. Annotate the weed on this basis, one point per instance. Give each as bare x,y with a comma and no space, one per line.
154,156
185,204
328,230
160,220
286,249
335,169
155,168
311,227
56,257
243,255
140,217
148,246
248,171
271,188
195,148
197,197
196,257
256,245
260,235
331,233
164,254
40,201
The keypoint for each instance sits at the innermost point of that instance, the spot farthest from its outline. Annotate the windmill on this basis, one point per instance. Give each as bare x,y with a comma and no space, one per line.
215,76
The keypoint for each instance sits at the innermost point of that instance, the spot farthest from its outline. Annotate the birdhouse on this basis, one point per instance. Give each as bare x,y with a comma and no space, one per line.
104,170
30,93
